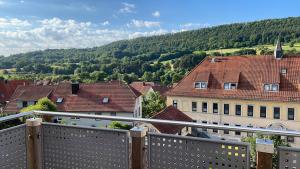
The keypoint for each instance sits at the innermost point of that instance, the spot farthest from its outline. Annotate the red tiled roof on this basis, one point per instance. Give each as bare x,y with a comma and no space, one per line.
252,73
89,97
170,113
122,98
8,87
27,93
144,87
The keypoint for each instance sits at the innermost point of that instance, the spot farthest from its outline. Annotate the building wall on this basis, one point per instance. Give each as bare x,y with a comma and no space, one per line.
185,105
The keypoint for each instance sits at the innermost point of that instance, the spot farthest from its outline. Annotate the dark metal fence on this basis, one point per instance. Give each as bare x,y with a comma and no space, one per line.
289,158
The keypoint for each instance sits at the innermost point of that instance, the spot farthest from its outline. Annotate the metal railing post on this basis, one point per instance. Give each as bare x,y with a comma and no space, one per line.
34,143
264,152
138,147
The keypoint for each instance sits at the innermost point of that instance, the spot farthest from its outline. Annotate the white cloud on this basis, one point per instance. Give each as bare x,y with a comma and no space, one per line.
143,24
22,1
127,8
2,2
156,14
14,22
189,26
105,23
56,33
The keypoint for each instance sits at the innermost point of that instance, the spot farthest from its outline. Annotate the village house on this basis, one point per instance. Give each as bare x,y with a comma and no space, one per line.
247,91
147,87
169,113
113,98
7,88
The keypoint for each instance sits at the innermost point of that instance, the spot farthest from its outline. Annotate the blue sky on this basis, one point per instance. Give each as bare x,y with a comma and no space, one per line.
27,25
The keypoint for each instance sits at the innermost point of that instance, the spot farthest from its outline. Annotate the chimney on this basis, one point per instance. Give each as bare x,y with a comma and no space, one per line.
278,52
75,87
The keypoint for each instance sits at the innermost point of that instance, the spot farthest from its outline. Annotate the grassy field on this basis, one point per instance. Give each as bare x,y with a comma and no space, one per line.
271,47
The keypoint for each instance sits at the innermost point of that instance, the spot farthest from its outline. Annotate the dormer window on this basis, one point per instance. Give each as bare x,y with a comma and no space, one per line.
230,86
201,85
271,87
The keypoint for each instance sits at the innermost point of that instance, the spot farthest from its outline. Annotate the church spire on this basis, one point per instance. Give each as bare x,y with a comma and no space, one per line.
278,52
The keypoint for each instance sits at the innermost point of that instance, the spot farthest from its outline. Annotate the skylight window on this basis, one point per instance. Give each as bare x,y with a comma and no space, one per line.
201,85
105,100
59,100
283,71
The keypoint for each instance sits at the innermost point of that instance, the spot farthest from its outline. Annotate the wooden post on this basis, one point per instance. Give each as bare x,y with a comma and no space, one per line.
34,142
138,147
264,152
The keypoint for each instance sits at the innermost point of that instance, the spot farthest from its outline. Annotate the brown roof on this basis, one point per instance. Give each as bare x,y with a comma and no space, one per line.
251,72
27,93
144,87
7,88
90,96
170,113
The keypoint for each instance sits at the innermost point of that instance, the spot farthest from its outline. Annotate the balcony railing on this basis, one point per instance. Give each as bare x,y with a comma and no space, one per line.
37,145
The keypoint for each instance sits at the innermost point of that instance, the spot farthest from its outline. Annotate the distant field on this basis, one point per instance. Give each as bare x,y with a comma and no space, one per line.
231,50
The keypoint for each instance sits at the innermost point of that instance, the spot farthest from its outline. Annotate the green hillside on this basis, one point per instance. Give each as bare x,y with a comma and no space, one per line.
164,58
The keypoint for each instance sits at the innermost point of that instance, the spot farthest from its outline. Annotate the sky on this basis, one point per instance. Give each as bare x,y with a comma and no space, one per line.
28,25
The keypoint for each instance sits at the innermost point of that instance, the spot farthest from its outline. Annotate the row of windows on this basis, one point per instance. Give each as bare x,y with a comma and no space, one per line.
237,133
238,110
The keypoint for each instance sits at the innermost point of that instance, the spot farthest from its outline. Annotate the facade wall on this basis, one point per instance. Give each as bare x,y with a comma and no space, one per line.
185,105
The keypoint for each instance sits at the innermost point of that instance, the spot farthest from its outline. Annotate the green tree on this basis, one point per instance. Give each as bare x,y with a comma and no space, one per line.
119,125
152,102
43,104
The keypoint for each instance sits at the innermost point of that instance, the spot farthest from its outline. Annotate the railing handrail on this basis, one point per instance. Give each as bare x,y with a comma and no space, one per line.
157,121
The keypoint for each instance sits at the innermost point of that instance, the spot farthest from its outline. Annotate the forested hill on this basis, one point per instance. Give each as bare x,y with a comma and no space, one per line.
225,36
138,57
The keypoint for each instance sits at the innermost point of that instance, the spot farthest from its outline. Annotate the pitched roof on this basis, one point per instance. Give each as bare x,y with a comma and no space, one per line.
7,88
27,93
144,87
121,98
252,73
170,113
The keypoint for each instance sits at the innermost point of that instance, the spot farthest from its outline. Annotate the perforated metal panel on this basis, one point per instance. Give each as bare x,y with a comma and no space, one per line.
178,152
13,148
68,147
289,158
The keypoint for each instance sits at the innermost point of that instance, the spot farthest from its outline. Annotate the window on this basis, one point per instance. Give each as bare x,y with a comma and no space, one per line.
215,130
226,108
238,110
75,118
276,112
204,129
263,111
24,103
201,85
59,100
105,100
271,87
204,107
215,107
230,86
175,103
20,104
250,110
31,103
283,71
226,131
290,139
194,106
238,133
291,114
113,114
